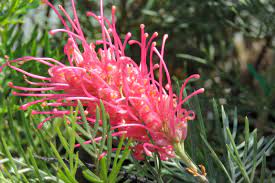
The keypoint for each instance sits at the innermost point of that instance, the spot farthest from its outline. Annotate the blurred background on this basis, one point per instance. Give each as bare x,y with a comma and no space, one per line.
229,43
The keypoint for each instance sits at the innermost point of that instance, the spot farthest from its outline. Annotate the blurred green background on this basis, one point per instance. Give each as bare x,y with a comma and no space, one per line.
229,43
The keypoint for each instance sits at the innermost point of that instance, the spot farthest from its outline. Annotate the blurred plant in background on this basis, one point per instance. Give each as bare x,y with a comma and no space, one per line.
230,43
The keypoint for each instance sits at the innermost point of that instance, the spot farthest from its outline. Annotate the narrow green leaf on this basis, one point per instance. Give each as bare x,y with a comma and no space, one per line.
27,130
116,167
104,128
90,176
217,159
246,137
217,121
103,169
17,140
263,169
63,176
96,125
109,146
64,166
8,154
192,58
62,138
254,155
76,165
236,157
226,142
121,140
225,125
83,116
235,123
82,131
199,115
86,147
35,167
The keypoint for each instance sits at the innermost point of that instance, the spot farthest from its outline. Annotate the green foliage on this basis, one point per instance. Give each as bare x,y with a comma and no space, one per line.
63,134
12,10
229,146
11,31
16,152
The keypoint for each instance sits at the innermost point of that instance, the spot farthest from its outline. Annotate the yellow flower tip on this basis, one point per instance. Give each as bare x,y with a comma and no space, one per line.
44,104
86,112
193,172
114,8
44,1
68,121
6,57
203,170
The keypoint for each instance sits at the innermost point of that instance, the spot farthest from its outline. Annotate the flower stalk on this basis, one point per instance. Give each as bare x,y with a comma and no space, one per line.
191,167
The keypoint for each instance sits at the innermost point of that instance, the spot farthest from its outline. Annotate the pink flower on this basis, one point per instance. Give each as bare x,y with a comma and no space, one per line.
138,103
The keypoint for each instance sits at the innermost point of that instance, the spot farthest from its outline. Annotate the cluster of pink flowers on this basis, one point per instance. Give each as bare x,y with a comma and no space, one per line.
138,104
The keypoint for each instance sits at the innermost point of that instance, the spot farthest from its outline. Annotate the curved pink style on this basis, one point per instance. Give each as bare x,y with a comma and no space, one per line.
138,104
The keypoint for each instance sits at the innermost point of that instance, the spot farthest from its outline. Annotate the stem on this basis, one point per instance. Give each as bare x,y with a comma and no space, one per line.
179,149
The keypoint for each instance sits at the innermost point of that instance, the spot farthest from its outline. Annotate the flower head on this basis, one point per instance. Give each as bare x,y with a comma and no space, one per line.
141,106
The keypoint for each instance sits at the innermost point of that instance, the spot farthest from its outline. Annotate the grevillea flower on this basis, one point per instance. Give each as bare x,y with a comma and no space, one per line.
137,102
